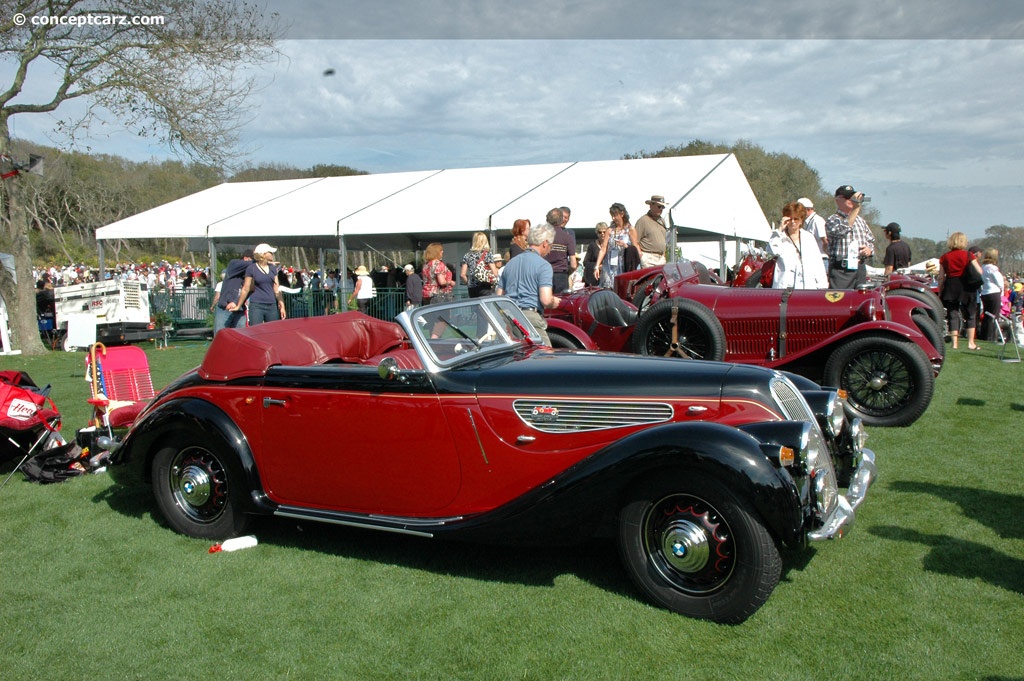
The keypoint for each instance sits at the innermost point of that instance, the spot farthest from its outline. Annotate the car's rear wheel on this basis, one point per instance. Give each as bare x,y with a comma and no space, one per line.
560,339
678,327
199,487
929,330
935,308
694,546
888,381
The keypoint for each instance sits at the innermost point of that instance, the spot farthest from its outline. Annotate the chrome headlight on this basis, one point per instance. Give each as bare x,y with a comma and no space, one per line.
828,409
822,474
836,415
858,436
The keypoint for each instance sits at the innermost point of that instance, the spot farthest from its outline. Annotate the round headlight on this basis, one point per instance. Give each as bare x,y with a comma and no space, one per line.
858,436
836,416
826,491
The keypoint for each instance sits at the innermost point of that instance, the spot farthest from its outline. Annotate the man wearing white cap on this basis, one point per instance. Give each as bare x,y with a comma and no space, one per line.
413,288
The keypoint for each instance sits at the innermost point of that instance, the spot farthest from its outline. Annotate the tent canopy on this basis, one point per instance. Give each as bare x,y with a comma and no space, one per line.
708,196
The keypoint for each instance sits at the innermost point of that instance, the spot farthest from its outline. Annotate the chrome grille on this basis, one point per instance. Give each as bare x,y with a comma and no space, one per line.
565,416
789,399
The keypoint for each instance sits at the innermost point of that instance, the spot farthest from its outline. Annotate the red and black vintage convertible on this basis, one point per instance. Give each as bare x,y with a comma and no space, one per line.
454,421
882,347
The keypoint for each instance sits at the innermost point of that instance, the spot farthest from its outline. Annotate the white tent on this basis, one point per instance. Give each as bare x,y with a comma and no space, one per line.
189,217
709,199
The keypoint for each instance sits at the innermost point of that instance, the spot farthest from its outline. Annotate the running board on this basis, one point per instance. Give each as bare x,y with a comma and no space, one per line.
395,524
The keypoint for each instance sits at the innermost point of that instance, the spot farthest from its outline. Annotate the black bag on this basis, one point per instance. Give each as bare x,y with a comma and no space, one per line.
56,464
971,277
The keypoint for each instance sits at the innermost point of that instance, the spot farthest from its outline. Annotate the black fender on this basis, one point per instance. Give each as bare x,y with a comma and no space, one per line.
588,493
132,462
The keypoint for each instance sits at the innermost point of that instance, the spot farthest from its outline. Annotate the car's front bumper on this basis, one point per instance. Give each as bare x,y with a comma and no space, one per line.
839,521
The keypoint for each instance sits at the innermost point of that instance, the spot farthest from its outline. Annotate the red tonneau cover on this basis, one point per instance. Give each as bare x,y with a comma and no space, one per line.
347,337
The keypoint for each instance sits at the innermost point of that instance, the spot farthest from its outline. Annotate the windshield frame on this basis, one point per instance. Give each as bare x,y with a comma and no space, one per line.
460,333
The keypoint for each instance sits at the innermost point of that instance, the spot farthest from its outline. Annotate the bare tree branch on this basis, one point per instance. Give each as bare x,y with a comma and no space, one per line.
175,70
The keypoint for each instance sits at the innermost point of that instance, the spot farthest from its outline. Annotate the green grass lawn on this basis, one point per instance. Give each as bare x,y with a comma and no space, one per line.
928,585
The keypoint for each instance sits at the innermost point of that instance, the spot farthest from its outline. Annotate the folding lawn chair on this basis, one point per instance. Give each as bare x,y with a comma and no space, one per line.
29,420
121,385
1010,324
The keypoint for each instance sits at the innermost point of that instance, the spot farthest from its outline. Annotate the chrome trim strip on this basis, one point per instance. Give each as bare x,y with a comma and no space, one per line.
573,416
397,525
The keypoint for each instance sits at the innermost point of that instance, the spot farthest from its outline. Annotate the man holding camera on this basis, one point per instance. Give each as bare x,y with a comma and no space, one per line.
850,241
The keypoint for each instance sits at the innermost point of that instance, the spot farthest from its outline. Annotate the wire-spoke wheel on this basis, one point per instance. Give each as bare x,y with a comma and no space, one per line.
678,327
888,381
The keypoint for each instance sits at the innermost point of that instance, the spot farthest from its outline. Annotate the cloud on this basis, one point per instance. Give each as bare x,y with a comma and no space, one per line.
647,19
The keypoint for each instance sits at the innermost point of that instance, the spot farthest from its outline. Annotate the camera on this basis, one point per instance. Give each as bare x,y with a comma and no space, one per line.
863,199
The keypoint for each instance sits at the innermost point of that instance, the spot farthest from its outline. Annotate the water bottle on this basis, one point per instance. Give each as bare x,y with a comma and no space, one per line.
235,544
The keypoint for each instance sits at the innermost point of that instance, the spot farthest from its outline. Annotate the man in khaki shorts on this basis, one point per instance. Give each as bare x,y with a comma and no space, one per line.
650,232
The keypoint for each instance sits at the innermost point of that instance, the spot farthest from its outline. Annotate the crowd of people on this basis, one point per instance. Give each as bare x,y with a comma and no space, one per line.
808,251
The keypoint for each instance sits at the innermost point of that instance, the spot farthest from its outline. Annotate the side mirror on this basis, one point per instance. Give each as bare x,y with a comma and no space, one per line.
388,369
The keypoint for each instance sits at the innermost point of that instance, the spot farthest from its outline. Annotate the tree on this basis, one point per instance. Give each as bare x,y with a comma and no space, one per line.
170,69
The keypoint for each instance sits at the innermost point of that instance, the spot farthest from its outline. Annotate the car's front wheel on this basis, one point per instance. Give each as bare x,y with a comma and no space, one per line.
199,488
694,546
888,381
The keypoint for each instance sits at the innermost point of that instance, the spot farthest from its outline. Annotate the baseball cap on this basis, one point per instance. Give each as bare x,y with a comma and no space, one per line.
805,202
846,191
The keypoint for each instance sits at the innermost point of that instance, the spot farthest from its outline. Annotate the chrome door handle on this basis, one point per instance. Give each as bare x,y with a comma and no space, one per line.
269,401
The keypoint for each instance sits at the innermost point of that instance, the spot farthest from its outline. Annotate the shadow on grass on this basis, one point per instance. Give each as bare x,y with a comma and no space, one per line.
961,558
595,561
970,402
998,511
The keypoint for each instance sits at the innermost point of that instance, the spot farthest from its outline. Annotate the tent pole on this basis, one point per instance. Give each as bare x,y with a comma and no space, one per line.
103,270
344,284
212,280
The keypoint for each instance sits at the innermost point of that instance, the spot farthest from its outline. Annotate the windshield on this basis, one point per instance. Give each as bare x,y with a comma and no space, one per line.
446,334
678,271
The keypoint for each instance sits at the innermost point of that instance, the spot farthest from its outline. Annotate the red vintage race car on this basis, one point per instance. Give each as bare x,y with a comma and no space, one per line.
883,349
454,421
747,274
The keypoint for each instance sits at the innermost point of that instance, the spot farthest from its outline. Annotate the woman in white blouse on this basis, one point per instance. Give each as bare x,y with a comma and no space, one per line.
799,263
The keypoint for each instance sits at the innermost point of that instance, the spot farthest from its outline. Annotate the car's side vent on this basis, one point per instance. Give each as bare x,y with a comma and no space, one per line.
573,416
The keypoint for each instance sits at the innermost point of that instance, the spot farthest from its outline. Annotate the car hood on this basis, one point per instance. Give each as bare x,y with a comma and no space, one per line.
598,374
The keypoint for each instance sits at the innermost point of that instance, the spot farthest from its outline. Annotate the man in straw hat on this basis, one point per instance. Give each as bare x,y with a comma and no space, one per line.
650,232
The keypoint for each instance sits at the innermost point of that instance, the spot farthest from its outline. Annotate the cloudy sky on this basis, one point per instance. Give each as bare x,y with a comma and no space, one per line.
919,103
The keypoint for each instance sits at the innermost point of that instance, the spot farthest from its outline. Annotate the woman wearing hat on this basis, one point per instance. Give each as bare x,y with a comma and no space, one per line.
260,288
363,291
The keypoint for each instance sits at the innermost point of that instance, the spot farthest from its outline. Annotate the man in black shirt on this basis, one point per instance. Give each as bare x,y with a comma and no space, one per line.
897,253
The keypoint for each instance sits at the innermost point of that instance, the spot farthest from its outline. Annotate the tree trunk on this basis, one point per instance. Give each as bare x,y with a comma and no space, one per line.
23,319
